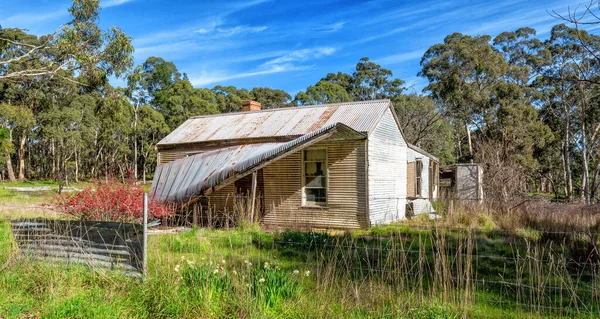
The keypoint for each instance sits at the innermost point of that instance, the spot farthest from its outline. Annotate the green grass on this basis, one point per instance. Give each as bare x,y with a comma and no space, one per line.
222,274
401,270
9,196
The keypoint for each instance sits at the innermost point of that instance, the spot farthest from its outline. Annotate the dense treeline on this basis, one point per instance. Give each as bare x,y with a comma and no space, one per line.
527,108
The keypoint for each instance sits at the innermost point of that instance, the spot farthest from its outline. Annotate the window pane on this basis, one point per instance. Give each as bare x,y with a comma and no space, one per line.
314,169
315,195
315,155
315,181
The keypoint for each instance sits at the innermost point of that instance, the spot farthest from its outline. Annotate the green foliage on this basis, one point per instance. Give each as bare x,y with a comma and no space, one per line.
434,312
78,45
323,92
424,126
181,100
369,81
270,98
6,146
302,239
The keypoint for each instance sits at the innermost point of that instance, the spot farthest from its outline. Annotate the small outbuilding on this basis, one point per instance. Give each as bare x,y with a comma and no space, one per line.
462,181
335,166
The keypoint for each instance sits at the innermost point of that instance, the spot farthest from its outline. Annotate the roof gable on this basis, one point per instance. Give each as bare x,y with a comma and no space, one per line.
292,121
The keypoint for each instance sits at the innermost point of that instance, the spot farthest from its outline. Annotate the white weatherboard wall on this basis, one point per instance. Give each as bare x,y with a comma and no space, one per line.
387,172
421,205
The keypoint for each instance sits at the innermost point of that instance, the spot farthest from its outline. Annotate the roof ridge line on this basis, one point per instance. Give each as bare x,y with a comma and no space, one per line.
288,108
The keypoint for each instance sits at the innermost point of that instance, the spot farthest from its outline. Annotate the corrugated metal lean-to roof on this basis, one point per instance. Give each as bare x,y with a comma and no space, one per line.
180,180
291,121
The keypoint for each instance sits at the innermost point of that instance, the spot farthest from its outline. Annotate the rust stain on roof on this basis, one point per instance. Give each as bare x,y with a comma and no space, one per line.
291,121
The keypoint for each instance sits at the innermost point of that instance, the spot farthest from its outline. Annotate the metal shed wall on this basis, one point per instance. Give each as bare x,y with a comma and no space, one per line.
469,182
387,172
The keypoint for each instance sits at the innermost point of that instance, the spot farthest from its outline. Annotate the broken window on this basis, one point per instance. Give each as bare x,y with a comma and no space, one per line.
315,177
418,177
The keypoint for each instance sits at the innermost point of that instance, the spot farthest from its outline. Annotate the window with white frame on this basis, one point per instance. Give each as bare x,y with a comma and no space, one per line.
314,192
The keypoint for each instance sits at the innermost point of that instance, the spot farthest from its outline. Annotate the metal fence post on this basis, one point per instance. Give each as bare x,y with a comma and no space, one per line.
145,244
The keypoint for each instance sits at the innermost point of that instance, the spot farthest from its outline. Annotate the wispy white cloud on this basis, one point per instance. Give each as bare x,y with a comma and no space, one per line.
378,36
535,19
113,3
286,62
402,57
34,18
329,28
235,7
195,35
180,49
217,77
300,56
224,32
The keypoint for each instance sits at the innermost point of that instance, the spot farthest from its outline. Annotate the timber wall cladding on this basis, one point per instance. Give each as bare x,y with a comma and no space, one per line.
346,193
387,172
410,181
98,244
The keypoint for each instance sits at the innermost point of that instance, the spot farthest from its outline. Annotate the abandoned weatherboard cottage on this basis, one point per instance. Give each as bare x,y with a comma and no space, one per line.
335,166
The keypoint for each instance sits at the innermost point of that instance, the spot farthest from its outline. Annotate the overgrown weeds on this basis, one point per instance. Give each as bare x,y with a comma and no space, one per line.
461,266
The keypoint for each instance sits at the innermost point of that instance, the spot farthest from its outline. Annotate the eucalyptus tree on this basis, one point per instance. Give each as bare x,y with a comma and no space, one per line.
370,81
270,98
6,146
323,92
567,91
423,125
229,98
78,45
12,118
463,72
148,78
181,100
151,129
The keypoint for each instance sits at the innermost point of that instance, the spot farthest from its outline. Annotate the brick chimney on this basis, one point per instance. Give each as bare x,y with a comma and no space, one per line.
248,105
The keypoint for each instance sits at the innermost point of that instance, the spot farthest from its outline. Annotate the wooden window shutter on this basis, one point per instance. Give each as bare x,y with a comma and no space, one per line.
410,180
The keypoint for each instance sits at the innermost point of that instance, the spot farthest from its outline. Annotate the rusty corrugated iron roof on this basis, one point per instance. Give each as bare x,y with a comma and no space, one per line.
180,180
291,121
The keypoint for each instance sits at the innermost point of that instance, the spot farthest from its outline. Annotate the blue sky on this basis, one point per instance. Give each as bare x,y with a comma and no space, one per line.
291,44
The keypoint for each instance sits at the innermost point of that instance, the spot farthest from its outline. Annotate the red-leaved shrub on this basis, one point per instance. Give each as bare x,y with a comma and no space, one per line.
111,201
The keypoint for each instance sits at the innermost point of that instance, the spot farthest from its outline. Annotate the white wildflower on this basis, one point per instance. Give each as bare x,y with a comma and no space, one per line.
261,280
266,265
307,273
296,271
216,271
234,272
177,268
223,261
